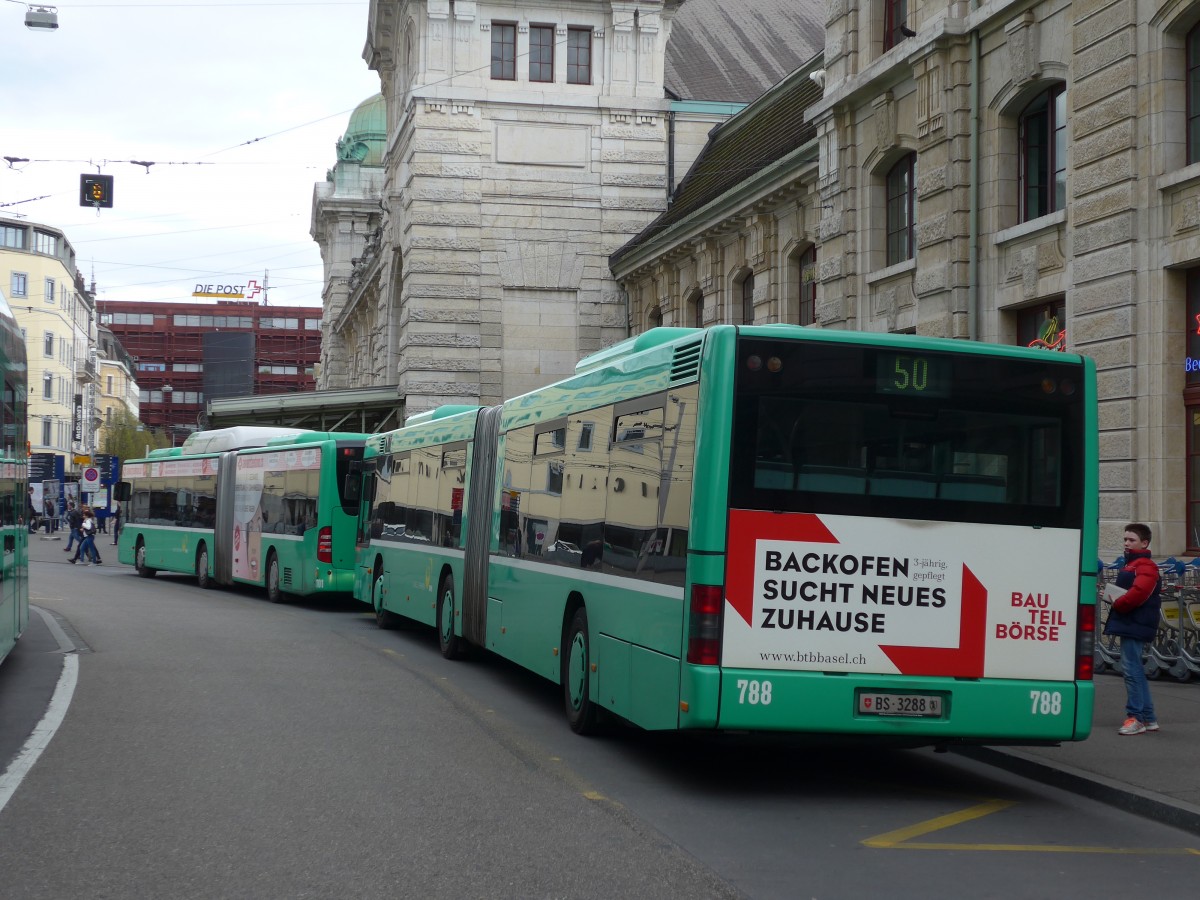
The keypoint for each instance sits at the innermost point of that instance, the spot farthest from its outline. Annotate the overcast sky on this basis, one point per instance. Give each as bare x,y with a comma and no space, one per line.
238,104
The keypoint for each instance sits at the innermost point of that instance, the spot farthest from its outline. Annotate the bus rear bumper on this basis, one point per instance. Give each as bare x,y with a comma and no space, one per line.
935,709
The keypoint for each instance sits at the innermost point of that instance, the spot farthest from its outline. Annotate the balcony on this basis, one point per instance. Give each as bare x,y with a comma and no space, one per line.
86,373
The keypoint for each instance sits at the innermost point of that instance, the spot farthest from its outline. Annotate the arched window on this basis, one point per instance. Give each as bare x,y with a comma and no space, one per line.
901,208
696,306
655,318
1042,134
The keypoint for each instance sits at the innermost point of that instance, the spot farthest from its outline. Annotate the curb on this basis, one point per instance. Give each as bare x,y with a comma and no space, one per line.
1148,804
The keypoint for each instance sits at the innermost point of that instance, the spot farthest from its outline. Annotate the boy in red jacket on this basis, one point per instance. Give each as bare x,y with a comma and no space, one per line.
1134,619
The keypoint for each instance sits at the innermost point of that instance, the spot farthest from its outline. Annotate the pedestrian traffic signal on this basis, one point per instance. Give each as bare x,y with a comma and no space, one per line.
96,190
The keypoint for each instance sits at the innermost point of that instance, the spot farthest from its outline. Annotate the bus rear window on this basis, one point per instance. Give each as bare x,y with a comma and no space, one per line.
903,434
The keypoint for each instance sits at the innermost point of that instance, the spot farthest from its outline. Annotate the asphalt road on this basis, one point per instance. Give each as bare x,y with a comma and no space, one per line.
217,745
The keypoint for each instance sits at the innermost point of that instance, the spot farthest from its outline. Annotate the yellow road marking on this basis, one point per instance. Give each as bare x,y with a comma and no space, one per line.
901,838
894,838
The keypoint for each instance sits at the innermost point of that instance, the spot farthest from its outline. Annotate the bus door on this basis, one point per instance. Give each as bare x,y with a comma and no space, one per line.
223,527
479,524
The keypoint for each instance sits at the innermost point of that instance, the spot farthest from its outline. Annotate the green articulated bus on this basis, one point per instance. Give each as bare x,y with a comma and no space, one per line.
247,505
764,528
14,468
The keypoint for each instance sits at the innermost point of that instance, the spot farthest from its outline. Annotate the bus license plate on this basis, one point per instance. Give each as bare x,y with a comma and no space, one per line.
873,704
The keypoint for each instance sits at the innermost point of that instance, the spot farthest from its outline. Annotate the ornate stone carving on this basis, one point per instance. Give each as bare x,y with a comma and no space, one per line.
1022,46
885,120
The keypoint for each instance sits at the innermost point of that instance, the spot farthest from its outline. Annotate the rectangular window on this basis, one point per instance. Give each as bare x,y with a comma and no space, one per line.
47,432
504,51
1044,325
48,345
47,386
748,299
917,435
109,380
808,287
901,189
48,295
579,56
12,236
19,284
1193,95
895,14
552,441
541,52
44,242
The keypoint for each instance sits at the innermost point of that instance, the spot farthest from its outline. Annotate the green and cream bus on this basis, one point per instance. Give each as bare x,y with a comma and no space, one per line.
14,468
764,528
246,505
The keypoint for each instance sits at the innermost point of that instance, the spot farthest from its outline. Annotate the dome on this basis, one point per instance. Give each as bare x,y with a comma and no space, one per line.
366,133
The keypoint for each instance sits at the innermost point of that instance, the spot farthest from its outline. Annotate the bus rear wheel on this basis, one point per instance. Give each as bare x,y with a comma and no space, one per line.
202,578
451,644
576,677
274,591
384,618
139,561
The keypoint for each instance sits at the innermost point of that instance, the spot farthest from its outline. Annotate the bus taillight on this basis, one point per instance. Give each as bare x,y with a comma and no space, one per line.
704,634
1084,661
325,545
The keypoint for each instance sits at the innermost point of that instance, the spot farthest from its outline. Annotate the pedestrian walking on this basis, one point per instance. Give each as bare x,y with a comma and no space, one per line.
1134,619
74,521
87,546
116,517
48,513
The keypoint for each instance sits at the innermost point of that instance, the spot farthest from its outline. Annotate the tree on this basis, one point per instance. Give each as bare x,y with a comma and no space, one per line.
127,438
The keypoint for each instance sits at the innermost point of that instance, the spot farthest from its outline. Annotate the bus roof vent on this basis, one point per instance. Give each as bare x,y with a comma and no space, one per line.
685,366
380,442
647,340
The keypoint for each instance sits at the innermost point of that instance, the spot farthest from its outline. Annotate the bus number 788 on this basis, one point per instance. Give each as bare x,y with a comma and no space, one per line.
754,692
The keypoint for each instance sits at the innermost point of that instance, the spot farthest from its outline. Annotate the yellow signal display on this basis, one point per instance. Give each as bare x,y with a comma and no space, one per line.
96,190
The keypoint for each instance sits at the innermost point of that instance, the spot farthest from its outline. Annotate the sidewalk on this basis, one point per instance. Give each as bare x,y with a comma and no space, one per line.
1153,775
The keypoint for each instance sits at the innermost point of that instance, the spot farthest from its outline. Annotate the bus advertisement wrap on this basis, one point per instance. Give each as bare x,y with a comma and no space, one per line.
847,594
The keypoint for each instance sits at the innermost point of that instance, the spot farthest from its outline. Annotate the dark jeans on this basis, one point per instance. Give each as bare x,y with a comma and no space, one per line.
87,548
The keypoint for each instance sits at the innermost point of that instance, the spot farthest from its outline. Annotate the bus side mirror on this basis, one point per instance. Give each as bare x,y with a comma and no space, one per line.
121,491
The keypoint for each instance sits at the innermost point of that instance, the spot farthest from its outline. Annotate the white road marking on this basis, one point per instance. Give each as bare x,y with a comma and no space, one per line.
40,739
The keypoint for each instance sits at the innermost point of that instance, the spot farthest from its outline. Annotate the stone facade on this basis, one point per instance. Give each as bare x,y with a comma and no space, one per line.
501,198
1112,252
347,224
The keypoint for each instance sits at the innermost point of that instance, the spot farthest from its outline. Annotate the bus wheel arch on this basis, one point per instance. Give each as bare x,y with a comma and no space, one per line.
202,577
274,591
384,618
582,713
139,559
449,643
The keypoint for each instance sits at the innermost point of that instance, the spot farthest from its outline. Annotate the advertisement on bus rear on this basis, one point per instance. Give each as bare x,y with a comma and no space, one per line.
894,596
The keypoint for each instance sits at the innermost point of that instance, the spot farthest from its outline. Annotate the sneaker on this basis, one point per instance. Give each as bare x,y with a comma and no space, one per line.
72,561
100,562
1151,726
1132,726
